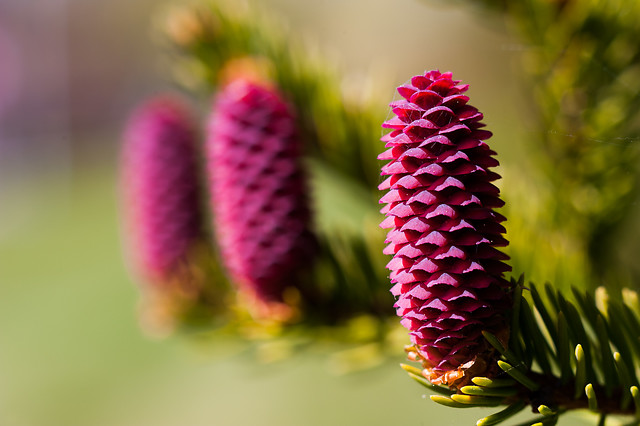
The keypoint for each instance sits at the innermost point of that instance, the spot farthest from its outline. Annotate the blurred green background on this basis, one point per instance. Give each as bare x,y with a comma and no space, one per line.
71,350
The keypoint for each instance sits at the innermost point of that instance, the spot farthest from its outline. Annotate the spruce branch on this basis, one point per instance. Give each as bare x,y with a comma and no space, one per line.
613,390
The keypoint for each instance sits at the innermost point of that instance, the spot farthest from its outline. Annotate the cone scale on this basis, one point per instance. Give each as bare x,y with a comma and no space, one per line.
443,230
258,191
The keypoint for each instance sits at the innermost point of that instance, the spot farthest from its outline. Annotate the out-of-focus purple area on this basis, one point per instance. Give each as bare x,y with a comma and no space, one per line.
69,70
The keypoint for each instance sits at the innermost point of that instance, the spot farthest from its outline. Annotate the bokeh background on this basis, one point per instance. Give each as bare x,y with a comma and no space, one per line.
71,350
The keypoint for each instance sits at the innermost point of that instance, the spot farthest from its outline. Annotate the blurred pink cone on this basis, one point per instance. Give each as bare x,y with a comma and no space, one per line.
162,209
258,192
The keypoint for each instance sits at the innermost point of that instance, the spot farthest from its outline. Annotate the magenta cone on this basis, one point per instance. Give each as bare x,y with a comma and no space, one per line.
161,181
443,230
258,191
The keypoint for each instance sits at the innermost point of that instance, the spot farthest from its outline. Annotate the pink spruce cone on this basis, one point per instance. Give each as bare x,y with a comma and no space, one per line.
447,272
258,191
161,189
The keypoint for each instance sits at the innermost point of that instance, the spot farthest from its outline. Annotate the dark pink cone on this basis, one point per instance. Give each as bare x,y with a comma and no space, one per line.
161,182
443,230
258,191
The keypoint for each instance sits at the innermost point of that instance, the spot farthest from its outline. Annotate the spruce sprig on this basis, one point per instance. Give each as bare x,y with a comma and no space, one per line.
580,360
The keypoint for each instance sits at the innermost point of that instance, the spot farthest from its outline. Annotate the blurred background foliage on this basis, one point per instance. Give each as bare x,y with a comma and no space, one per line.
582,64
555,80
